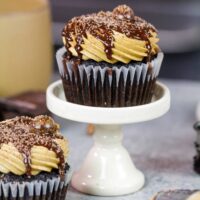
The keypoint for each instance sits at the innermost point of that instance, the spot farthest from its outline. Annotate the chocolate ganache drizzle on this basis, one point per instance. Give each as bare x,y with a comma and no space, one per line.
25,132
102,25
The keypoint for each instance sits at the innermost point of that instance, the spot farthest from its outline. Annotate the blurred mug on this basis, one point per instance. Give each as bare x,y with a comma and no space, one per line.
25,46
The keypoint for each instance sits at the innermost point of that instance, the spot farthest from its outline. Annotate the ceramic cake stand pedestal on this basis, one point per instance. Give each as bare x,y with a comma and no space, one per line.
108,169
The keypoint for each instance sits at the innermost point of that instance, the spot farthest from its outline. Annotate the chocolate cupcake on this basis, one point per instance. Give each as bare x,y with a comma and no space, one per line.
178,195
110,59
33,159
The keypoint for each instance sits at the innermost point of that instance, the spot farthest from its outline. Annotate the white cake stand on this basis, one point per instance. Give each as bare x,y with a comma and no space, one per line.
198,112
108,169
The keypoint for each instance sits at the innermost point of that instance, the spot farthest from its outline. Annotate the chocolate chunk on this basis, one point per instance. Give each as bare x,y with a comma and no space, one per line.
174,195
197,147
28,103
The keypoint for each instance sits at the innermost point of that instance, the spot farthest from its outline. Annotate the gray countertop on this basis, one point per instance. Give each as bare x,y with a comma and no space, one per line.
163,148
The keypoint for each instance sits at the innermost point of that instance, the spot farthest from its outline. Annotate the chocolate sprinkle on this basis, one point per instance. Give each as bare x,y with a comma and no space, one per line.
26,132
102,24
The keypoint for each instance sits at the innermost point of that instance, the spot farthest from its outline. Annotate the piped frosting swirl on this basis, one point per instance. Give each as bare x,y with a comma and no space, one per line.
110,36
31,145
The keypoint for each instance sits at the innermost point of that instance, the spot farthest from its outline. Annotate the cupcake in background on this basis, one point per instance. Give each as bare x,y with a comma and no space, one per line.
109,59
33,159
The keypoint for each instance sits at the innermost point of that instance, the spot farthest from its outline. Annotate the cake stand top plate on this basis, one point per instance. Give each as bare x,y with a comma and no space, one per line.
58,105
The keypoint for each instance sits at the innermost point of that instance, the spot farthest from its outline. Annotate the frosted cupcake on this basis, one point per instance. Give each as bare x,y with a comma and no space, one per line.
33,159
109,59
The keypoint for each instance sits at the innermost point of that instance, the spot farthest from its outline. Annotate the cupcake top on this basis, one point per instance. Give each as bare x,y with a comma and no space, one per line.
117,36
31,145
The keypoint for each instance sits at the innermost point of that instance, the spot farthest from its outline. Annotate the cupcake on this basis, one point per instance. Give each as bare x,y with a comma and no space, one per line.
33,159
178,195
109,59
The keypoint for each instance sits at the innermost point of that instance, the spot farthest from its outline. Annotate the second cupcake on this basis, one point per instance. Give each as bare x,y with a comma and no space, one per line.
110,59
33,159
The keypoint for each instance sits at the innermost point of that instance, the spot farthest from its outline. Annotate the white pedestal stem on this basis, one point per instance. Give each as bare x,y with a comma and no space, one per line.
108,169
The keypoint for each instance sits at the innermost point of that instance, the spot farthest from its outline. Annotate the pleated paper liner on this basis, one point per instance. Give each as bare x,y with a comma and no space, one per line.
51,189
103,86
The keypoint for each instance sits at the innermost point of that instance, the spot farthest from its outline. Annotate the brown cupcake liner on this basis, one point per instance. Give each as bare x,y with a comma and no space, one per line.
51,189
90,85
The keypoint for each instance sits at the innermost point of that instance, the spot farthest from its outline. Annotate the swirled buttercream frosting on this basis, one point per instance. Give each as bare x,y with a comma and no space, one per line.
117,36
31,145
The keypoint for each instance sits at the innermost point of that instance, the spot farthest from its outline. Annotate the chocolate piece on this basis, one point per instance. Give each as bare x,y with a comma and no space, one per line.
28,103
101,26
197,147
25,132
174,195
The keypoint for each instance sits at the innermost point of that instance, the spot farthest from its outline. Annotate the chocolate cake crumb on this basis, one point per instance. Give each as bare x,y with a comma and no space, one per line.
174,195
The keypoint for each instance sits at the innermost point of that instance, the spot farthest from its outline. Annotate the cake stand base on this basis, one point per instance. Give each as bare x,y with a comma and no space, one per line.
108,169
